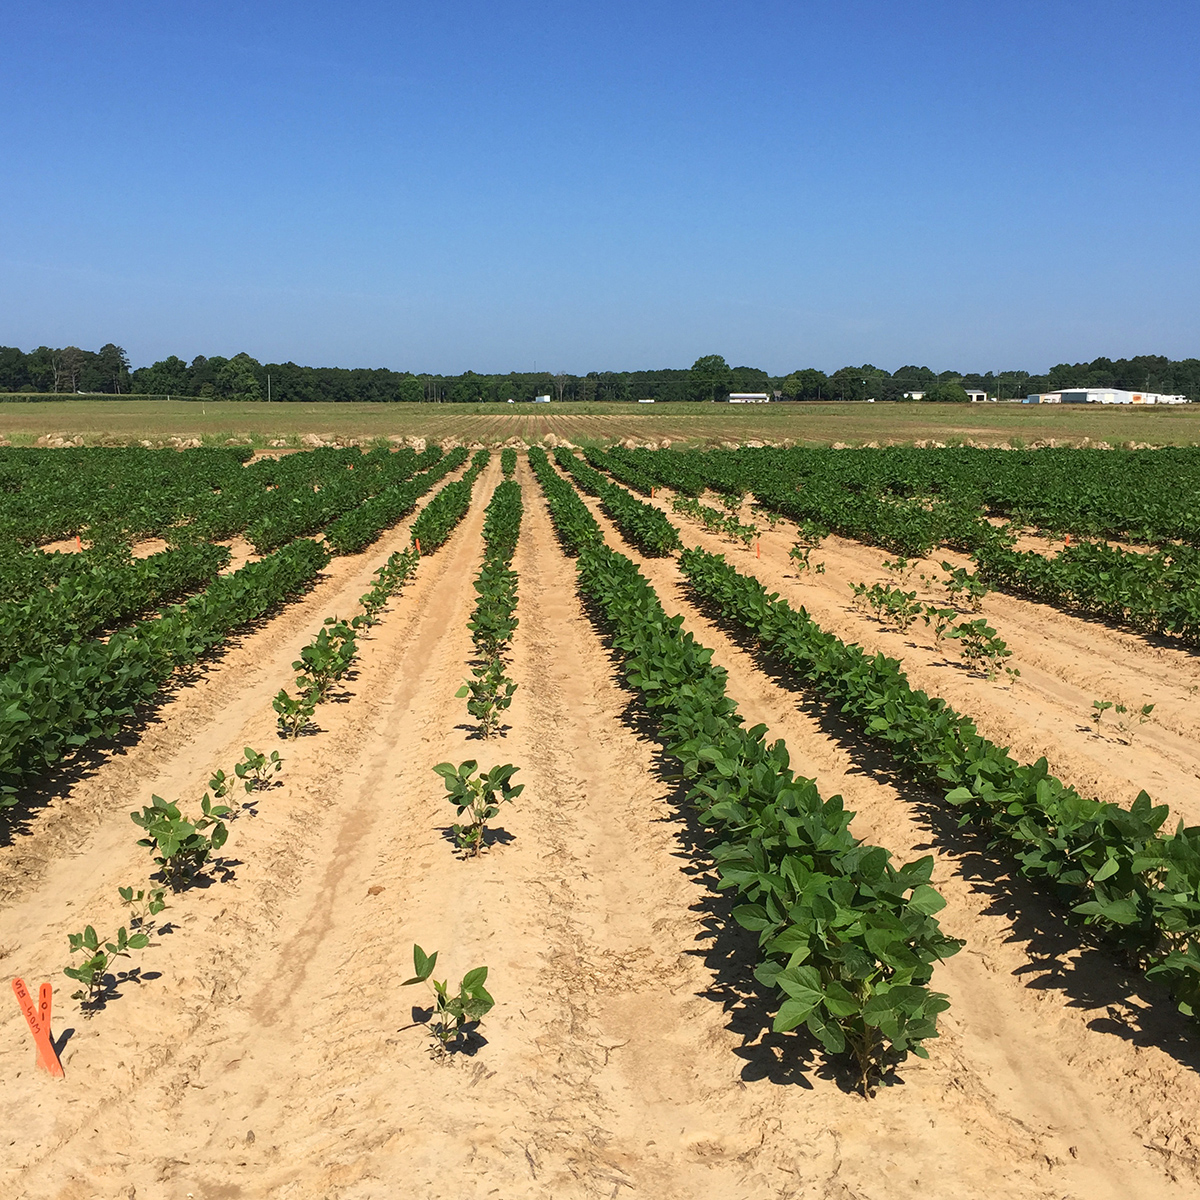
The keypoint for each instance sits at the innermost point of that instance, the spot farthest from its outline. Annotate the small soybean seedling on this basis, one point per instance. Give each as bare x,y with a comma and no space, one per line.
182,847
143,904
99,956
1099,708
490,692
479,796
456,1017
940,619
295,715
255,769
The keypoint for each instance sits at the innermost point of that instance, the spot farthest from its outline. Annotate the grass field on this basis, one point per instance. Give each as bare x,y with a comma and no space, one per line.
124,420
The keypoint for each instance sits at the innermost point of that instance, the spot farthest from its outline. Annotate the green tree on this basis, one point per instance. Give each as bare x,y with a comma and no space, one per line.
947,393
112,365
237,378
710,375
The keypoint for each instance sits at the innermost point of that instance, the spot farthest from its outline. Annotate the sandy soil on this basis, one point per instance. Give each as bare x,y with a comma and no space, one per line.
266,1049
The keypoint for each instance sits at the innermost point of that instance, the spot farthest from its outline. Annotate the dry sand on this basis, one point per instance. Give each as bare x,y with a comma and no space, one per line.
267,1049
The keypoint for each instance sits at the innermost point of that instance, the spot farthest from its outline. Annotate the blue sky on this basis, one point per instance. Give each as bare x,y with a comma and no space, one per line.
592,186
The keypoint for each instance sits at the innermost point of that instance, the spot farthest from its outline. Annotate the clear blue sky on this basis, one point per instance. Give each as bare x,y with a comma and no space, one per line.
586,186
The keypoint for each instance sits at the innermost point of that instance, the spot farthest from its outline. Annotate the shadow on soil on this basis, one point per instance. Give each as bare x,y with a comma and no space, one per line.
729,952
1063,957
39,792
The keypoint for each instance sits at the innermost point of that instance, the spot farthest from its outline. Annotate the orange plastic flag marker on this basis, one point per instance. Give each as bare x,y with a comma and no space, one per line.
38,1020
418,541
757,548
1067,540
78,542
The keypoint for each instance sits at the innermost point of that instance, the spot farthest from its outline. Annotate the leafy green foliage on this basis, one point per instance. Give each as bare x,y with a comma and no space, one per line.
642,525
438,519
716,521
256,769
490,693
325,660
508,462
1137,886
479,797
846,938
98,957
455,1015
388,578
181,846
83,692
295,713
981,649
494,619
360,527
99,954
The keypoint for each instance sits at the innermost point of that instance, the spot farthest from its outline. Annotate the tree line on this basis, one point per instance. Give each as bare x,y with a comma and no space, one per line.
70,370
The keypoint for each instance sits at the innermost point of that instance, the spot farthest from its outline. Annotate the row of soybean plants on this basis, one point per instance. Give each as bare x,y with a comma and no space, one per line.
477,795
847,939
72,693
1137,886
493,621
110,495
183,845
641,524
1122,870
1144,495
52,599
1156,592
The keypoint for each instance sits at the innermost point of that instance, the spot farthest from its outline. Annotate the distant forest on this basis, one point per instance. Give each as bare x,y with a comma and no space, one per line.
106,371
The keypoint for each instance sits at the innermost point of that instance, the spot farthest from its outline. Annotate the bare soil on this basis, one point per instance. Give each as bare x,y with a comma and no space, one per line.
265,1047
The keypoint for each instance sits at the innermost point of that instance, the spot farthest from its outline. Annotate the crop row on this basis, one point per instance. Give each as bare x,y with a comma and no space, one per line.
442,514
642,525
1155,592
363,525
109,594
125,495
1138,886
847,940
301,506
82,692
493,620
1143,495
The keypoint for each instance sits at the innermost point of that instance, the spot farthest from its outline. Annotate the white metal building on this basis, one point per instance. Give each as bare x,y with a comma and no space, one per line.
1103,396
749,398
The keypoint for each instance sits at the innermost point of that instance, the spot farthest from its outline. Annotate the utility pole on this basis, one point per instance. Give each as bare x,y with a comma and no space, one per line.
268,387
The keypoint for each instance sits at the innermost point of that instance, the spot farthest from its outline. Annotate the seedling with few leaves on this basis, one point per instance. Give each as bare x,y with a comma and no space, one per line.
255,769
479,797
941,620
961,586
455,1017
143,904
981,649
490,692
295,713
181,847
91,973
1128,716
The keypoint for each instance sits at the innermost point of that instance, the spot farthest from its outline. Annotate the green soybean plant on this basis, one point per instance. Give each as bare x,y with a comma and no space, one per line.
255,769
99,954
490,692
980,648
477,796
324,661
295,713
455,1016
181,846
